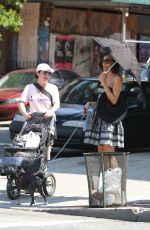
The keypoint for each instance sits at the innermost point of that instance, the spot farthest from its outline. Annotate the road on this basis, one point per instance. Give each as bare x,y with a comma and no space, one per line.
4,136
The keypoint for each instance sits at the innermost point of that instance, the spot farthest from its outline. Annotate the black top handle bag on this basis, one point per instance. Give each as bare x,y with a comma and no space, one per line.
112,113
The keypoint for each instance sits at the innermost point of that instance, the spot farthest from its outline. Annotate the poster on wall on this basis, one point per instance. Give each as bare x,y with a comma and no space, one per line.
59,52
68,52
72,52
95,68
83,49
144,49
64,50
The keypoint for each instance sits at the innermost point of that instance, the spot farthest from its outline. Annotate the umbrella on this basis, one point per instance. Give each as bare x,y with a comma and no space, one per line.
122,55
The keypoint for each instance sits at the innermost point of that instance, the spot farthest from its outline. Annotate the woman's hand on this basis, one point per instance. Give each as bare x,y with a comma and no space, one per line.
27,116
102,78
48,114
86,107
22,109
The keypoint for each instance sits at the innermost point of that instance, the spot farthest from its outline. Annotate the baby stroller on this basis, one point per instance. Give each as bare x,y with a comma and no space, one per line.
28,156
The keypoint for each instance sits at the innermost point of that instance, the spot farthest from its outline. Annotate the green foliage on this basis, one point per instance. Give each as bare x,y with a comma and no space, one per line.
10,14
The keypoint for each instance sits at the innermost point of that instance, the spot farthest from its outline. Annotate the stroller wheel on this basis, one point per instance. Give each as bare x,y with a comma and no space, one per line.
12,190
49,184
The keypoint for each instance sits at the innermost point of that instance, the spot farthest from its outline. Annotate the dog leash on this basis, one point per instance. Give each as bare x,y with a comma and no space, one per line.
66,141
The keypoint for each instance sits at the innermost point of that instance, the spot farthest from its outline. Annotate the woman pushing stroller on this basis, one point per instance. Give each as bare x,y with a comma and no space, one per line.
42,97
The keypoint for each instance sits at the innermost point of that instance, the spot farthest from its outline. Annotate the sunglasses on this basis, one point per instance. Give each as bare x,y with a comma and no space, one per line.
107,61
46,73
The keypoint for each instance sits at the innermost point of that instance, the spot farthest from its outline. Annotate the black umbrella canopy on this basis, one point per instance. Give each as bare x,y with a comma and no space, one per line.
122,55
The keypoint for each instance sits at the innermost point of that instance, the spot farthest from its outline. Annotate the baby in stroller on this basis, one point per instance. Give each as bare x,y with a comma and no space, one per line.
30,152
36,134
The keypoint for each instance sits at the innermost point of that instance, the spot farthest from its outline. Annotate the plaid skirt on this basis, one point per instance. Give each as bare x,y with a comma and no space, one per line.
99,132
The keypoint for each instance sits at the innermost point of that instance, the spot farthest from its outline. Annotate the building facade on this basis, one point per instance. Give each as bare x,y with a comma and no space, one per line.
62,36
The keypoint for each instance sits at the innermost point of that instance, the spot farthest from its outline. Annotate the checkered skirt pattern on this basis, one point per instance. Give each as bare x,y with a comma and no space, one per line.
99,132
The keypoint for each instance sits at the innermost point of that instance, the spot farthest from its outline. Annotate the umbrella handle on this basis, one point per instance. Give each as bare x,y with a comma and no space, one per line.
105,72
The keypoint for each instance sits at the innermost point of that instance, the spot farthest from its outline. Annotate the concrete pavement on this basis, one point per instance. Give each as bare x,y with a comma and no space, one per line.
71,196
72,185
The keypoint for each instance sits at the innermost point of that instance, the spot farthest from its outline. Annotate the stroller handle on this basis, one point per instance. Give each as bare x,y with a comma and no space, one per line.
37,114
36,117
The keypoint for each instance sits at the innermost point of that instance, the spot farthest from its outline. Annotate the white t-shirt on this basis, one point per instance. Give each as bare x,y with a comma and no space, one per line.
37,100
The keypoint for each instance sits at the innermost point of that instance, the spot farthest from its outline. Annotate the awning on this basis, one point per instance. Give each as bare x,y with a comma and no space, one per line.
138,2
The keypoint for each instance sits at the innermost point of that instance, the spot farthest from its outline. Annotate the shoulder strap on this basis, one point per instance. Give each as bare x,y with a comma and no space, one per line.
39,87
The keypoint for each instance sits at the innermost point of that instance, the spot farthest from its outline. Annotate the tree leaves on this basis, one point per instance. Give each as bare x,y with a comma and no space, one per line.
10,15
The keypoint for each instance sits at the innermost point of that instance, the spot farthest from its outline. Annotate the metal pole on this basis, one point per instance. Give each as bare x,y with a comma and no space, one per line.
136,41
123,26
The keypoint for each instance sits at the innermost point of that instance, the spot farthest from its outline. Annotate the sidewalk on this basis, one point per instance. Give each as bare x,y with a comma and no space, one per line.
72,190
71,195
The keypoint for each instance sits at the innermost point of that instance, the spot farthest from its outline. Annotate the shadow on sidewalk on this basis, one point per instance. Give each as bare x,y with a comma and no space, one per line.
140,203
72,165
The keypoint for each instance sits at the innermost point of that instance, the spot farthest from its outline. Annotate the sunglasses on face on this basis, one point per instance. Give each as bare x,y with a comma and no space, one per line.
107,61
46,73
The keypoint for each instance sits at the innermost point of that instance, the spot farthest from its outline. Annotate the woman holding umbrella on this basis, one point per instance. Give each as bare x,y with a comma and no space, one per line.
106,135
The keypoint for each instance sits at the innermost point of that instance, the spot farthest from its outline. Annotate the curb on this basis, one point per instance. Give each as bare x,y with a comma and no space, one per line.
5,123
133,214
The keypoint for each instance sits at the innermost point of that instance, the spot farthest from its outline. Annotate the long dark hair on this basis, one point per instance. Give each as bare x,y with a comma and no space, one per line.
115,68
